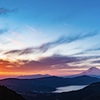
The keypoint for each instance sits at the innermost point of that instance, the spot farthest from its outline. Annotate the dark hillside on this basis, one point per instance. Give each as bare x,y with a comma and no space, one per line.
7,94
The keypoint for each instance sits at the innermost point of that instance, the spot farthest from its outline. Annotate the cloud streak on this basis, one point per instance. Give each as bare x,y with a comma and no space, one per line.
4,10
53,62
58,62
90,50
21,52
49,45
2,31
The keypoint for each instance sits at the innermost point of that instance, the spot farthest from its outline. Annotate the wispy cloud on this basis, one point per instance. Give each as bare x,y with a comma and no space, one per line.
59,59
4,10
90,50
20,52
96,62
65,40
3,31
57,62
53,62
49,45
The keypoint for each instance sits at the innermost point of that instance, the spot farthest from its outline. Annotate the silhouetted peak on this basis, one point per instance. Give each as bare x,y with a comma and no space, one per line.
93,68
91,71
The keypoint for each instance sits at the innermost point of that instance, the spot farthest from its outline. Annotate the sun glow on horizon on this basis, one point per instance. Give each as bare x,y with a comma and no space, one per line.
56,37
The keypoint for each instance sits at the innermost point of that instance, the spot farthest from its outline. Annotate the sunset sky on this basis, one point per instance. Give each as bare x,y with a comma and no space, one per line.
56,37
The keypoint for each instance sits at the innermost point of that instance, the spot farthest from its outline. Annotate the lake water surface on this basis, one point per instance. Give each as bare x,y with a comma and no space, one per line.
69,88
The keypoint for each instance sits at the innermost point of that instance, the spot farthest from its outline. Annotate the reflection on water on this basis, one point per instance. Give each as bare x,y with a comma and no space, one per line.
69,88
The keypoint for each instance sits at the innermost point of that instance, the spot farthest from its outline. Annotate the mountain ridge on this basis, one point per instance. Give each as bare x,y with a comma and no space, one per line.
48,83
33,76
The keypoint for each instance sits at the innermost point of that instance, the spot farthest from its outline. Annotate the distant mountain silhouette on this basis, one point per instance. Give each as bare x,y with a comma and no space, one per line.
33,76
91,92
7,94
46,84
93,71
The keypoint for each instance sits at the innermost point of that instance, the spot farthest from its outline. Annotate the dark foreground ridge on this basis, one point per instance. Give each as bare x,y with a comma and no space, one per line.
7,94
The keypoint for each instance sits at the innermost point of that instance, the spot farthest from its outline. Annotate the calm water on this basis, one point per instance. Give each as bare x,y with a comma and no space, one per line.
69,88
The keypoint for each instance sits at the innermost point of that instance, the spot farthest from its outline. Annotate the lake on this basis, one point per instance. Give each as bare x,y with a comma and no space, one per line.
69,88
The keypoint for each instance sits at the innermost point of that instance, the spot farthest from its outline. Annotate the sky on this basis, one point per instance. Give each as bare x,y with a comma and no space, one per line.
56,37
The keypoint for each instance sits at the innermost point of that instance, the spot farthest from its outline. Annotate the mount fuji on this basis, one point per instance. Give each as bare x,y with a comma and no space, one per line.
93,72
